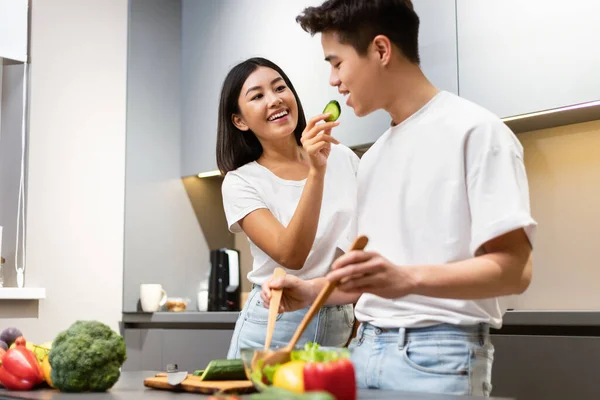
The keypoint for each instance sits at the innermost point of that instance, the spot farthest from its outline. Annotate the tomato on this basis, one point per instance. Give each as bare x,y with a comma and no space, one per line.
290,376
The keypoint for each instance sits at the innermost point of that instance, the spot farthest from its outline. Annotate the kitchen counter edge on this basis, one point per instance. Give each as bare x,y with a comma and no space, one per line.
511,318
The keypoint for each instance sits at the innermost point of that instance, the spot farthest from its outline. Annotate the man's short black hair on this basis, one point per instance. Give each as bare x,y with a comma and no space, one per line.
357,22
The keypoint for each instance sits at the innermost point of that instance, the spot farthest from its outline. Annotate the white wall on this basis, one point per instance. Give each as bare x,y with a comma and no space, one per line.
163,240
11,114
76,167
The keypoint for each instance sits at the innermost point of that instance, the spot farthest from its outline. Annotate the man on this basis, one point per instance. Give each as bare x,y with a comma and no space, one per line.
443,198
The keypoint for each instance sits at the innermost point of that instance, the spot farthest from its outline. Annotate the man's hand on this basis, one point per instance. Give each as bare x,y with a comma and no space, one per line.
503,268
369,272
297,293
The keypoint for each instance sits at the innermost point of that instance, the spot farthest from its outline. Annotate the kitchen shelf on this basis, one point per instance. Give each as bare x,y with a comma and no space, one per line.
193,317
552,318
12,293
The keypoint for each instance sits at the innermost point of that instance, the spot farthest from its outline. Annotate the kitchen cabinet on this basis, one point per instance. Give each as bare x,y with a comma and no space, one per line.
217,35
194,349
437,42
190,349
144,349
13,29
517,57
546,367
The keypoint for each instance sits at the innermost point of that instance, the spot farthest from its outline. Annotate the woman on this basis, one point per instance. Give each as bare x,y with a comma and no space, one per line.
291,187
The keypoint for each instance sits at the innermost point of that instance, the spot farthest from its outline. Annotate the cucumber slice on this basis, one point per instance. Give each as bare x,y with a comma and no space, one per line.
332,107
223,370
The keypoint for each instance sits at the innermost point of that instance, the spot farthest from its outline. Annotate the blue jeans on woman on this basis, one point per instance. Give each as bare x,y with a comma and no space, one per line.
331,327
439,359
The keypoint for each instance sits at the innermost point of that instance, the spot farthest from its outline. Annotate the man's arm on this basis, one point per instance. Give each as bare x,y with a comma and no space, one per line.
505,268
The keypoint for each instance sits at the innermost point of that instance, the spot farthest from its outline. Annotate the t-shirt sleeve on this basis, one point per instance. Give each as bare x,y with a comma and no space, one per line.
240,198
497,185
352,157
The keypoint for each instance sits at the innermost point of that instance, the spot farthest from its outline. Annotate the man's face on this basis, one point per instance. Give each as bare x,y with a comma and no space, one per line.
355,76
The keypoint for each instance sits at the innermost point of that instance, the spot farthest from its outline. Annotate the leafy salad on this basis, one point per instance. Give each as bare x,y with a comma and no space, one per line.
312,352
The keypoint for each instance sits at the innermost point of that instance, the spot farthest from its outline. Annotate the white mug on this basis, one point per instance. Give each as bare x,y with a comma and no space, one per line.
152,296
203,300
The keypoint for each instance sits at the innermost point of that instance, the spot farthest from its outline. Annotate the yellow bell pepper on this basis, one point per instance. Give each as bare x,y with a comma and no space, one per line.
46,368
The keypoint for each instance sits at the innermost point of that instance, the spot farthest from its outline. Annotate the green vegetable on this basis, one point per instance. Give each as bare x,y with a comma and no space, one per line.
222,370
269,371
86,357
257,377
312,353
332,107
274,393
262,374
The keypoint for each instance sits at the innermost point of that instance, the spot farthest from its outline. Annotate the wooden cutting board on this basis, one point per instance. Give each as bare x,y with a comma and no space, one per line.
195,385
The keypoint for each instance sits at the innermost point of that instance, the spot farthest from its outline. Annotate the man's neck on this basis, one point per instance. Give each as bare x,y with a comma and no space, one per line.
408,90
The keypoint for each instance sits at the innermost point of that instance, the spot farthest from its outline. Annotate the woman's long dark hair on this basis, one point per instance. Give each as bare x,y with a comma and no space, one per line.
235,147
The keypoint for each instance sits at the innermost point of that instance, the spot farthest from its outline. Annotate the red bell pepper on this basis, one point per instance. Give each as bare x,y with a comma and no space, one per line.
20,369
336,377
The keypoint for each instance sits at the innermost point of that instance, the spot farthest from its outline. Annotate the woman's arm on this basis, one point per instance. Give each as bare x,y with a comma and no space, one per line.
289,246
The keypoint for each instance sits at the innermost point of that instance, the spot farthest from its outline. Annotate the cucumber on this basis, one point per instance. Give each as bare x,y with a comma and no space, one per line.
332,107
223,370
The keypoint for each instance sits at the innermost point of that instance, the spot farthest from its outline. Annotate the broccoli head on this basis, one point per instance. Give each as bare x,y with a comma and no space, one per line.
86,357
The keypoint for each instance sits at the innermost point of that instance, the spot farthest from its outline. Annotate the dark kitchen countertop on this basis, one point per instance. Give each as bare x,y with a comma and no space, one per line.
131,387
516,317
196,317
552,317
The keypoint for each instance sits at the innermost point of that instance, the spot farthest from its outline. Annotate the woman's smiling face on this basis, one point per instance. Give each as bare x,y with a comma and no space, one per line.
267,106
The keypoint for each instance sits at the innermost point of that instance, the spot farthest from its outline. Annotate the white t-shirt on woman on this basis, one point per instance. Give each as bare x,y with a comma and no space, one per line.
253,186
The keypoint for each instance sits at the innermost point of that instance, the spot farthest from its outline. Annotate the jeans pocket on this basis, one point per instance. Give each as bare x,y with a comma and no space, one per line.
481,370
257,313
348,315
485,351
438,357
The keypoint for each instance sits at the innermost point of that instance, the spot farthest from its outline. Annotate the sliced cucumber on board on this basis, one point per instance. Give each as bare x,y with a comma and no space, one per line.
223,370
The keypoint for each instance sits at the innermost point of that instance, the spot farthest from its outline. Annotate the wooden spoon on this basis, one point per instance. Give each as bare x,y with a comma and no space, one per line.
283,355
273,307
273,310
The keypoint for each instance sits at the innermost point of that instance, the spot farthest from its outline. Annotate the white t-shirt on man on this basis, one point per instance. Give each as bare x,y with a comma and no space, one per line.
433,190
253,186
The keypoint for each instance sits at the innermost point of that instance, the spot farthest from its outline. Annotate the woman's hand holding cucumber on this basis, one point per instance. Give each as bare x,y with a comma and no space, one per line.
317,139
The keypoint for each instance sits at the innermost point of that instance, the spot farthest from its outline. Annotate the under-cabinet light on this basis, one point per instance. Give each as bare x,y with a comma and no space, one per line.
208,174
552,111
